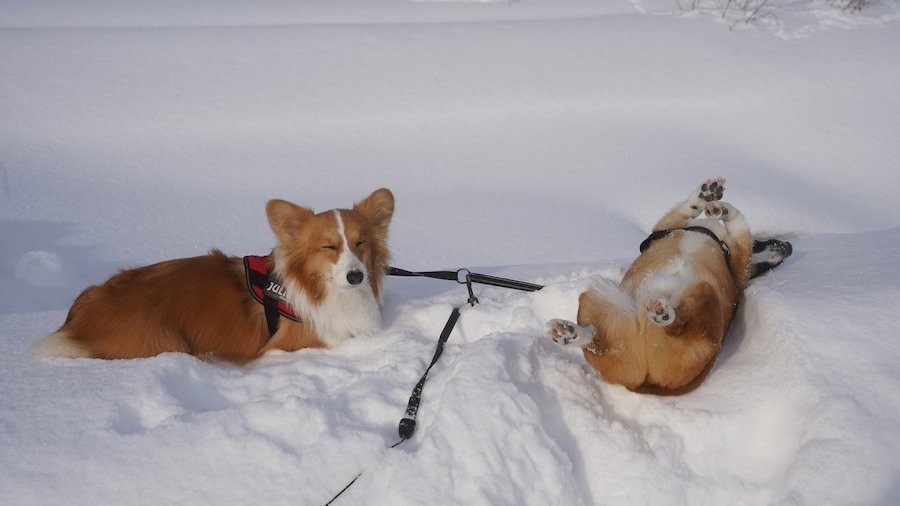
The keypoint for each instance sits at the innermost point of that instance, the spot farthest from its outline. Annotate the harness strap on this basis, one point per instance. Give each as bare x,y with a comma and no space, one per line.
659,234
270,306
266,288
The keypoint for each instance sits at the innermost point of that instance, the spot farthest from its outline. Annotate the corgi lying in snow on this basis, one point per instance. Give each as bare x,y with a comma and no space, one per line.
660,330
326,267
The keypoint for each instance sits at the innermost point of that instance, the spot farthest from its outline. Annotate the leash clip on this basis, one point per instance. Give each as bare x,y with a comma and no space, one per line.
464,277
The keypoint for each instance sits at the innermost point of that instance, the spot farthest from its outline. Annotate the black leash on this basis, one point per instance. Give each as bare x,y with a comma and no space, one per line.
408,422
463,276
469,277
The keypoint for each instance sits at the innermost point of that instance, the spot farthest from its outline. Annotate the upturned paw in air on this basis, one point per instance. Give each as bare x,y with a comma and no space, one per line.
569,333
718,210
660,311
710,191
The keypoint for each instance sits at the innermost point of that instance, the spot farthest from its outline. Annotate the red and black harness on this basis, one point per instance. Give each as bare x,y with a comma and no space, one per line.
267,289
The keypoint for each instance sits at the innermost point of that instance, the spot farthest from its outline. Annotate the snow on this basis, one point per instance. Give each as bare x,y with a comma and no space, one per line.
537,140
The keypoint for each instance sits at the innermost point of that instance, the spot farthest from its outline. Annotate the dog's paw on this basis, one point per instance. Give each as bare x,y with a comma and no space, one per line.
562,331
569,333
720,210
710,191
772,251
769,254
660,311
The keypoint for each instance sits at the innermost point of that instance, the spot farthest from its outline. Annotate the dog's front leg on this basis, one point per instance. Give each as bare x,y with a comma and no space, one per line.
739,240
710,191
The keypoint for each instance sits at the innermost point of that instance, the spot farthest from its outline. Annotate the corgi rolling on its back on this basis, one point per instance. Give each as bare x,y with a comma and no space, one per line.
330,266
660,329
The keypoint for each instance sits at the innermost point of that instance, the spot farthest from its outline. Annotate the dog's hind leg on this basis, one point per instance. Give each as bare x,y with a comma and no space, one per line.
617,350
601,308
711,190
659,294
568,333
660,310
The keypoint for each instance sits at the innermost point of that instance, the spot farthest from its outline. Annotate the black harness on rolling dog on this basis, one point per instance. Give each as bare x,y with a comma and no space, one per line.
659,234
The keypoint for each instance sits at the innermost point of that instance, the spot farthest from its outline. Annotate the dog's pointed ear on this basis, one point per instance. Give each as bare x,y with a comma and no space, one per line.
287,219
378,208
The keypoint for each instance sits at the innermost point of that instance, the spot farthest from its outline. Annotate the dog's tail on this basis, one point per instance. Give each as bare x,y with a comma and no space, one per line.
59,344
612,297
610,309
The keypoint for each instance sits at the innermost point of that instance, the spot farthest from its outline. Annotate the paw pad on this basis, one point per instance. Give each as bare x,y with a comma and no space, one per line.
562,331
717,210
660,311
712,189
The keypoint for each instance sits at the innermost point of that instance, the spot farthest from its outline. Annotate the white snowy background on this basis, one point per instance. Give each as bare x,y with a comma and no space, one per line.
538,140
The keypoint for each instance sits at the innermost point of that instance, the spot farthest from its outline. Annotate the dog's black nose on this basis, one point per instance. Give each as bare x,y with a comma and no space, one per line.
354,277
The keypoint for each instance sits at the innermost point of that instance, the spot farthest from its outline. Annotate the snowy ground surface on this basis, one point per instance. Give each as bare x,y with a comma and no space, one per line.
537,140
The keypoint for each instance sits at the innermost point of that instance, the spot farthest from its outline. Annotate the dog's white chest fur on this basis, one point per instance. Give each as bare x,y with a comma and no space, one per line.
345,313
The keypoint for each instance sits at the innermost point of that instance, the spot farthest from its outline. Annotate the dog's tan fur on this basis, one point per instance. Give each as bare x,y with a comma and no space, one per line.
684,275
202,306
